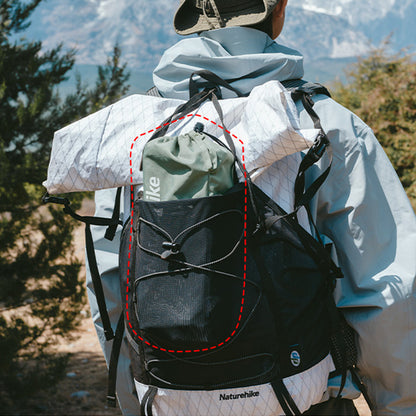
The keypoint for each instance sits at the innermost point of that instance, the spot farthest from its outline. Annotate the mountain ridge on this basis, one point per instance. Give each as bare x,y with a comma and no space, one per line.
345,29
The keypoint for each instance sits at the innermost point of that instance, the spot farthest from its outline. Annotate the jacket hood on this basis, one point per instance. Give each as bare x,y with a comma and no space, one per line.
235,52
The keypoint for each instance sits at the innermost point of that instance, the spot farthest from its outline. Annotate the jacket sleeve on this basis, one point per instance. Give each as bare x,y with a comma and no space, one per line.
364,210
107,260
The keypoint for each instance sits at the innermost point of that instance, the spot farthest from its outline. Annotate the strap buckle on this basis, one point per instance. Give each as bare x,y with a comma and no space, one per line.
319,146
46,199
171,249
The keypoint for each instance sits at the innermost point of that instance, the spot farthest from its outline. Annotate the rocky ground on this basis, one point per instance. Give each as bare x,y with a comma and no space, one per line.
83,389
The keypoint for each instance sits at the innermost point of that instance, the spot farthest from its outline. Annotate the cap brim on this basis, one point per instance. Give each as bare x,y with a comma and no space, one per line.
188,19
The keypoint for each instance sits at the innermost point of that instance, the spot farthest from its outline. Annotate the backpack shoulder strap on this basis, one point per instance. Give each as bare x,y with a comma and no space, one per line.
300,87
291,84
304,92
295,85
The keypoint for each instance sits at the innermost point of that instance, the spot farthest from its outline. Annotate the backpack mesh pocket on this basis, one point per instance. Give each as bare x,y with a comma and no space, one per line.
189,277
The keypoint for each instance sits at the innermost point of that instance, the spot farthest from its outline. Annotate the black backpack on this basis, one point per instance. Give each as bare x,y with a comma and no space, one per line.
227,293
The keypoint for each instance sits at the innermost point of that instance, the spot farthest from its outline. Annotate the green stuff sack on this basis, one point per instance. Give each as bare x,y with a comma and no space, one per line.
192,165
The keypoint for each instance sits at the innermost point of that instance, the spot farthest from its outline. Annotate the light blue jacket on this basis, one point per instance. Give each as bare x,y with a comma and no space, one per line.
362,208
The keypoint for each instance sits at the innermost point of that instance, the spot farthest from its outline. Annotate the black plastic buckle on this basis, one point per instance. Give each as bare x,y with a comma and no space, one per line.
308,98
319,146
172,249
109,334
46,199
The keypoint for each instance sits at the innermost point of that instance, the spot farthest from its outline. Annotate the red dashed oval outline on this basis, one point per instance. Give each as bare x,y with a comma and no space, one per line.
131,239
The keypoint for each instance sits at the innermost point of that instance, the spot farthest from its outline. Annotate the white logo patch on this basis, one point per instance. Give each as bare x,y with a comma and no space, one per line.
295,358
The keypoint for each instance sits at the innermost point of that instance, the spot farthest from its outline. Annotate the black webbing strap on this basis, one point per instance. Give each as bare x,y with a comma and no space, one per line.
112,368
112,223
285,399
281,399
317,251
343,373
291,403
150,400
293,83
308,104
302,87
97,284
182,110
321,256
230,142
363,388
111,230
289,84
214,81
315,153
147,402
312,221
143,402
336,338
302,197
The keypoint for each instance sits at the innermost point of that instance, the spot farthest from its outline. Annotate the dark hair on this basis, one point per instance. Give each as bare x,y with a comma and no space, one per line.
265,26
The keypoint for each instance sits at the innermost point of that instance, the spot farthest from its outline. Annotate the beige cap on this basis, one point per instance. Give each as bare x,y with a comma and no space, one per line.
195,16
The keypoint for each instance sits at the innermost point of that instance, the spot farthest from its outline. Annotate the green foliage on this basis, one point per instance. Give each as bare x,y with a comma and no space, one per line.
41,293
111,84
381,89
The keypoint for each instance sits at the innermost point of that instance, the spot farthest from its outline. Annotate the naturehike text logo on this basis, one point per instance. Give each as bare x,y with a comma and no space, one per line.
153,192
295,358
244,395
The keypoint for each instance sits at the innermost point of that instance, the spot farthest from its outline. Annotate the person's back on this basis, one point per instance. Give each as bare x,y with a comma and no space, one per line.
362,208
